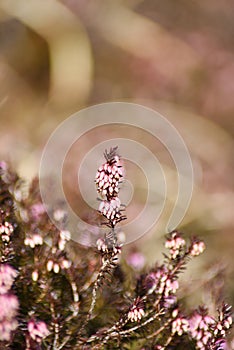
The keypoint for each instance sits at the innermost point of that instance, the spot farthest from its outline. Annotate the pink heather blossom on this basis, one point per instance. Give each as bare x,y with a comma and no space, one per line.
160,283
109,174
8,306
197,248
175,243
6,327
37,330
180,325
136,311
200,328
3,165
8,309
7,276
135,314
136,260
37,210
111,209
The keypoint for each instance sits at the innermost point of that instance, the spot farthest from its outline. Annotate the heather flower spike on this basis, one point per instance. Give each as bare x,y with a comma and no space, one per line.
108,177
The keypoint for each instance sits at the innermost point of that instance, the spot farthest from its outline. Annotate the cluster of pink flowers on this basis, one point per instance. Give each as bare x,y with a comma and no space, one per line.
109,174
136,311
7,276
160,282
177,246
180,324
200,328
175,243
107,181
111,210
207,332
8,310
37,330
197,248
52,287
8,302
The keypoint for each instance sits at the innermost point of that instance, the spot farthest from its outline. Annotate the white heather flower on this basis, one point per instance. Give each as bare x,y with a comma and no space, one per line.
224,322
197,248
135,314
101,245
33,240
136,311
59,214
56,268
65,235
175,313
50,265
37,239
37,330
56,265
35,275
65,264
6,229
7,276
228,322
61,244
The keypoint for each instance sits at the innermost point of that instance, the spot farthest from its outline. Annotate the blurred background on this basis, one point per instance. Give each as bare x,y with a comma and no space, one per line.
177,57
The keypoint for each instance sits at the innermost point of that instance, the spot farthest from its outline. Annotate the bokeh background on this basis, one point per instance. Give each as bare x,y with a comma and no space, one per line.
177,57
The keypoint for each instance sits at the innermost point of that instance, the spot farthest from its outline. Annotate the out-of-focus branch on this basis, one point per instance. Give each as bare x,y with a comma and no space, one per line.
146,40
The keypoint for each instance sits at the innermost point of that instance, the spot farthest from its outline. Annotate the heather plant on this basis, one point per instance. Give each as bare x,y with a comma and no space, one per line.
50,299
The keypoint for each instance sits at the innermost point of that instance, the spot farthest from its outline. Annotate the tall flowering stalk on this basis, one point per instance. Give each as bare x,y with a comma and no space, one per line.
108,178
50,300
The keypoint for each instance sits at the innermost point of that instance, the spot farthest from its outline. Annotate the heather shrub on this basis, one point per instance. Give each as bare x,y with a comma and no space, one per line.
56,294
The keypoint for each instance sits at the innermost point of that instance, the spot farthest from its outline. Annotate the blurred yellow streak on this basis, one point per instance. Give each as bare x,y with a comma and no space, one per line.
69,47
